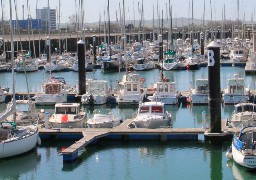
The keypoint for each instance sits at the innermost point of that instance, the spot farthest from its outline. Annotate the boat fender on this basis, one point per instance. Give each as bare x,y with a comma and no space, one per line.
229,153
39,141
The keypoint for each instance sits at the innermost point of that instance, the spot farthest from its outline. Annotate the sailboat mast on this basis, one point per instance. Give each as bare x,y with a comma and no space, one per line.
12,59
59,29
109,30
4,54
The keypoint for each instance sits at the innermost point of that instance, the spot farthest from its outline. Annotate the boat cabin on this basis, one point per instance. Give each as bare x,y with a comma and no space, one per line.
242,107
67,108
165,86
96,87
236,86
202,86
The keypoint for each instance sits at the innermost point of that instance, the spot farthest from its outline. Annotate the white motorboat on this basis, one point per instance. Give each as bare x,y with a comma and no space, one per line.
244,114
131,91
166,92
236,91
55,90
170,64
103,118
97,92
67,115
143,64
243,148
200,94
27,64
151,115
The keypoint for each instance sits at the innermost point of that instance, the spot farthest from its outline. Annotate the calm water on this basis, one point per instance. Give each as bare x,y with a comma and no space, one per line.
131,160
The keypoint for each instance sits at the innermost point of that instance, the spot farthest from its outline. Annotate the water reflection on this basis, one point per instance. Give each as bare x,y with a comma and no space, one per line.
240,172
13,168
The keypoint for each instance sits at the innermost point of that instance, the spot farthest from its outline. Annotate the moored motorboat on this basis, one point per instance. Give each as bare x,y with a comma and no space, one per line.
243,148
67,115
151,115
103,118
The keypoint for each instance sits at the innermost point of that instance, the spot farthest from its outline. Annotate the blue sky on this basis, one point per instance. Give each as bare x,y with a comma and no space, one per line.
181,8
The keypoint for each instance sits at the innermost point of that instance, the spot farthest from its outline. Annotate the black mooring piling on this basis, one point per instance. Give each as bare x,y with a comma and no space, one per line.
202,43
81,66
214,87
214,135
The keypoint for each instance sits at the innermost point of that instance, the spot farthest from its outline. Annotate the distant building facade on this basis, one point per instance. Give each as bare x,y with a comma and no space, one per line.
43,15
24,24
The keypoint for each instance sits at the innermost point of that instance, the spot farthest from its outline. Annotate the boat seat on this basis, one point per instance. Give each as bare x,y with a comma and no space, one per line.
254,152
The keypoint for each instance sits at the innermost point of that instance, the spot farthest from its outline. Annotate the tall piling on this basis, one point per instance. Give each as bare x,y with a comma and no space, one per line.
214,87
202,43
81,66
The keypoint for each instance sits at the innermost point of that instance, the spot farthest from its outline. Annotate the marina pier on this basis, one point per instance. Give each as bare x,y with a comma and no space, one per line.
86,136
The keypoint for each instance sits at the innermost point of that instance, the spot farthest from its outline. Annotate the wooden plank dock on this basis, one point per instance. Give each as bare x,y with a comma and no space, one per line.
86,136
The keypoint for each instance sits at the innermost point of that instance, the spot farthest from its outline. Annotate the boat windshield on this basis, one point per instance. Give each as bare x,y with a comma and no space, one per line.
65,110
250,108
157,109
144,109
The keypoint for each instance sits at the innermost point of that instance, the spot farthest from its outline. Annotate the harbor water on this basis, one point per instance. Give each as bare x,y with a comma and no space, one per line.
131,160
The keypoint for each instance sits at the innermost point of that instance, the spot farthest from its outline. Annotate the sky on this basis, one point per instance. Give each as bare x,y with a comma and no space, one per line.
95,8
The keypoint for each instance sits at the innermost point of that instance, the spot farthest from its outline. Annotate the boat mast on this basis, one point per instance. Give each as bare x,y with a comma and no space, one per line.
3,41
109,31
12,59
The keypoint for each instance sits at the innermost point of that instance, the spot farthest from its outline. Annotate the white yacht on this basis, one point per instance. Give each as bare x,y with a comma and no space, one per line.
103,118
55,90
244,114
151,115
166,92
131,91
26,64
243,149
143,64
68,115
236,91
97,92
200,94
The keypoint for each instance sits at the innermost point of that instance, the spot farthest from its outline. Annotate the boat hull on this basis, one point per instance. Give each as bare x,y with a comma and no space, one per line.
18,146
248,161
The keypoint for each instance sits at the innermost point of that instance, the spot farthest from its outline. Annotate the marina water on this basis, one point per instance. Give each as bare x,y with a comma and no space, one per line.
132,160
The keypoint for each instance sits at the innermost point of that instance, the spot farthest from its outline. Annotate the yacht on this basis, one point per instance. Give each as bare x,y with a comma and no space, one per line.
243,114
131,91
166,92
103,118
68,115
200,94
97,92
55,90
243,150
236,91
151,115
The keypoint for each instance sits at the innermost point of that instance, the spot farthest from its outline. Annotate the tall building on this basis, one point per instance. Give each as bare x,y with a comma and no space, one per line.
43,15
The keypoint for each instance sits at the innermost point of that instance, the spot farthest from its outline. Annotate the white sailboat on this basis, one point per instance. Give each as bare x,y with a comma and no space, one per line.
15,140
